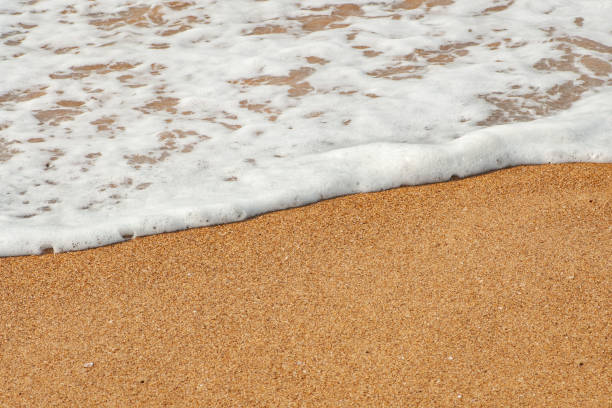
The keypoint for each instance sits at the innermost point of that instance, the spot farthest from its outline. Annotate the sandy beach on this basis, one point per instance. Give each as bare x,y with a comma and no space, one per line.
487,291
122,119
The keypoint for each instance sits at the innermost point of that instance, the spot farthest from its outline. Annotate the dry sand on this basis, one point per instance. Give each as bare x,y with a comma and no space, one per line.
488,291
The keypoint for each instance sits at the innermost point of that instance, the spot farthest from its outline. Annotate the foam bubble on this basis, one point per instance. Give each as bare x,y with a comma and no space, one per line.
120,119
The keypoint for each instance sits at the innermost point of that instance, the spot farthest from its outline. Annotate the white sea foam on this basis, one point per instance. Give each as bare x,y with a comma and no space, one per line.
121,119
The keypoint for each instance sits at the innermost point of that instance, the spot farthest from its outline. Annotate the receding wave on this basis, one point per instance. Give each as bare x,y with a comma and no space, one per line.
121,119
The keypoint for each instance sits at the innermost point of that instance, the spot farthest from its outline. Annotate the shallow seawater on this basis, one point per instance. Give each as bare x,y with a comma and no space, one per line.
124,118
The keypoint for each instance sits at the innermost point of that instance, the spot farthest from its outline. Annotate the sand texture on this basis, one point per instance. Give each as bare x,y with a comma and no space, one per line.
488,291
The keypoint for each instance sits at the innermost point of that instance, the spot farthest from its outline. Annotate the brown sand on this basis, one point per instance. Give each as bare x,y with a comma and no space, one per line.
488,291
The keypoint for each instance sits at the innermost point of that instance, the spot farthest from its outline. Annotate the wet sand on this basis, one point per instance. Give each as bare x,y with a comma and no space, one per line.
488,291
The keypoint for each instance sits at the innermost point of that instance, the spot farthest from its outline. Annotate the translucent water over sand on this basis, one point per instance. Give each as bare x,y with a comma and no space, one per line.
121,119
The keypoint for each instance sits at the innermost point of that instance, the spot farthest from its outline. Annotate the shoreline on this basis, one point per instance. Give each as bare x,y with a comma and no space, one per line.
490,290
454,178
